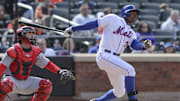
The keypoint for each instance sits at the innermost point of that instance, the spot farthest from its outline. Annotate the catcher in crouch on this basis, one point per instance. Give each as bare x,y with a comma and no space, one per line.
17,64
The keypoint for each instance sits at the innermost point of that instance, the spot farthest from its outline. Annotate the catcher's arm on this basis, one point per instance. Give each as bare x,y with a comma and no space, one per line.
63,73
44,62
6,61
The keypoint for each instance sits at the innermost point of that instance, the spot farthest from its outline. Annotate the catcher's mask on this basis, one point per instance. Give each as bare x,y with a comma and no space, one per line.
127,9
22,37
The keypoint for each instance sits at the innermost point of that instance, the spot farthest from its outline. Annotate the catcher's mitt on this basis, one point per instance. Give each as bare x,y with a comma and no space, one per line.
147,44
66,75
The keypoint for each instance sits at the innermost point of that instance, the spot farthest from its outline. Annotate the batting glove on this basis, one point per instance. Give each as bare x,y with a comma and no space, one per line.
68,30
147,44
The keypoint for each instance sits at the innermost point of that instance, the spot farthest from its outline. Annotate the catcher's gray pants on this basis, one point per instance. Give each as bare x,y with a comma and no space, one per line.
116,69
27,86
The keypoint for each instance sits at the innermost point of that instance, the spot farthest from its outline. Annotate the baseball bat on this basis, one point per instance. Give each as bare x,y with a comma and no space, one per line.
40,26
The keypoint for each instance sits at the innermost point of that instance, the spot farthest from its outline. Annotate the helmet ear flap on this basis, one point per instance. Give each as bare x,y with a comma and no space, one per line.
126,13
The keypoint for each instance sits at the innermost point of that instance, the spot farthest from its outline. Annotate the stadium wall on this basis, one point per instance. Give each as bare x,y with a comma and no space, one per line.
154,73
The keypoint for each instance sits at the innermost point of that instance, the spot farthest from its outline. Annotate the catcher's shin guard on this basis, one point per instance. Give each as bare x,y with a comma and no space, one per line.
6,86
44,91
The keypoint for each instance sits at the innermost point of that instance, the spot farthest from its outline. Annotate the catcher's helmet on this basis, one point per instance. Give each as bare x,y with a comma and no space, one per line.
21,34
127,9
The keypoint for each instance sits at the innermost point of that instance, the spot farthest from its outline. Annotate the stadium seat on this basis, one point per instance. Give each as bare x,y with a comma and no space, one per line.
107,4
98,10
160,1
72,16
2,2
98,0
70,1
64,5
116,11
162,36
175,6
149,18
126,3
2,30
178,35
150,6
175,1
139,1
152,24
75,11
117,1
61,12
149,12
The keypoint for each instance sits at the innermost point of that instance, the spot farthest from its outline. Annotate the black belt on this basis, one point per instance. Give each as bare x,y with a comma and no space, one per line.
108,51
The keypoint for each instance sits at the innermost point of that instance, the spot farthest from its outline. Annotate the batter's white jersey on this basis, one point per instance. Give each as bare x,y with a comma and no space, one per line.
117,34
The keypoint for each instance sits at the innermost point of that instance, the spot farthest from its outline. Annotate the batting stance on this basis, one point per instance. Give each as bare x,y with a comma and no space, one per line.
116,36
17,64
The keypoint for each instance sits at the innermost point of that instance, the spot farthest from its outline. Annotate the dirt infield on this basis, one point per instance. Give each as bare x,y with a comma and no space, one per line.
53,99
142,96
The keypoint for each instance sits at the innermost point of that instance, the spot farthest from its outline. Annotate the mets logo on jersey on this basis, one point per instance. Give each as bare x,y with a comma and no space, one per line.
121,32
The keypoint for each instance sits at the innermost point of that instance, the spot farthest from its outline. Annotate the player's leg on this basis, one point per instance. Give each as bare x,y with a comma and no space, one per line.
44,90
117,81
116,63
130,88
129,77
118,90
41,87
108,96
6,86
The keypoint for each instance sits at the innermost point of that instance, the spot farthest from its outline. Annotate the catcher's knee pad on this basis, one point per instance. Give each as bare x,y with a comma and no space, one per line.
6,86
44,91
119,92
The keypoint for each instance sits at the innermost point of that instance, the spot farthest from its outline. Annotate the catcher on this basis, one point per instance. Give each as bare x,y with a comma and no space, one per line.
17,64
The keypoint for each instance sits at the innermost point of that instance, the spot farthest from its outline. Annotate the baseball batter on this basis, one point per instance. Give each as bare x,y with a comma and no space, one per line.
17,64
116,36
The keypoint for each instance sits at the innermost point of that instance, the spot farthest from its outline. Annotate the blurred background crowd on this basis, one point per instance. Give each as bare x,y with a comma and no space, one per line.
159,21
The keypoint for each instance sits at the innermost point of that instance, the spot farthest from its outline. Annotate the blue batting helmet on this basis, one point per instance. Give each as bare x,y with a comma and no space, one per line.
126,10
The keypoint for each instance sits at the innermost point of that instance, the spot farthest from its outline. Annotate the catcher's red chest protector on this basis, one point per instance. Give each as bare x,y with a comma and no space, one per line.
24,61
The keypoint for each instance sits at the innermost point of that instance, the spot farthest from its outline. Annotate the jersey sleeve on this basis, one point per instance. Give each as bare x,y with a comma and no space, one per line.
104,21
7,60
42,61
133,37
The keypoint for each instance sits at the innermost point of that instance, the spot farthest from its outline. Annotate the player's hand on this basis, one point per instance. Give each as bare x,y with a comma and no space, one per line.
68,31
147,44
66,75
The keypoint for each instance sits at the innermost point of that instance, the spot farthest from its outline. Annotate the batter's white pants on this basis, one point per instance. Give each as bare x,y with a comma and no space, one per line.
28,86
116,69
